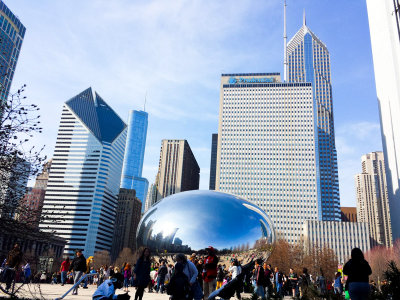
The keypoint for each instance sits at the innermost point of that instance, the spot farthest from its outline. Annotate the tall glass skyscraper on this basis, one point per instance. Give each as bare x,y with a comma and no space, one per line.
12,33
384,26
84,180
134,155
309,61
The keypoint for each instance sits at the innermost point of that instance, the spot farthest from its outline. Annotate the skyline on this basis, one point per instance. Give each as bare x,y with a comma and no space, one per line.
234,39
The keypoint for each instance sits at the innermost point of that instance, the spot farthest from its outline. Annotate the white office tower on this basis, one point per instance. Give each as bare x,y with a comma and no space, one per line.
341,237
384,28
372,198
83,186
267,148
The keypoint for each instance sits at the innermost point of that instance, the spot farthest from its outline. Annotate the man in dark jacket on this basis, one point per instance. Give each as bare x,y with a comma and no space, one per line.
13,261
259,279
162,272
78,265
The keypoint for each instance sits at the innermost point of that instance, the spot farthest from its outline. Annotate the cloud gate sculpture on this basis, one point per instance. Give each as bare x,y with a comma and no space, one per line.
191,221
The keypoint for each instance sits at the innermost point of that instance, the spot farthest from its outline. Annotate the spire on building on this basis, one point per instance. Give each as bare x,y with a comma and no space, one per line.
284,42
304,17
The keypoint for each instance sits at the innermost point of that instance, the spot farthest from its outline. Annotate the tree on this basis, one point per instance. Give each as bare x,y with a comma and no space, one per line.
18,160
101,258
126,255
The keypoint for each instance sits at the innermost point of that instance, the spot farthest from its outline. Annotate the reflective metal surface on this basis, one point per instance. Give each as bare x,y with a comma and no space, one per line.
191,221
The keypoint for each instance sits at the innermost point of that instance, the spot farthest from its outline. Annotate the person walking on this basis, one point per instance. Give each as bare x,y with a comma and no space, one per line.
358,270
304,282
179,286
14,259
210,272
27,272
268,274
78,266
141,273
64,270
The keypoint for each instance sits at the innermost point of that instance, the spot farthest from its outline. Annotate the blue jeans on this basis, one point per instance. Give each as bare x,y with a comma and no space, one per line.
196,290
259,289
279,289
359,290
63,277
160,284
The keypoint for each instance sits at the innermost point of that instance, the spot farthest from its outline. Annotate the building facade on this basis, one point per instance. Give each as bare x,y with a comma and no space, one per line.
309,61
178,169
126,222
32,203
268,148
341,237
372,198
213,161
84,180
348,214
384,20
12,33
134,155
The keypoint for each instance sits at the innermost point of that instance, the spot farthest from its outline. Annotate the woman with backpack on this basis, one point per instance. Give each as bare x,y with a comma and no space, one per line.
179,286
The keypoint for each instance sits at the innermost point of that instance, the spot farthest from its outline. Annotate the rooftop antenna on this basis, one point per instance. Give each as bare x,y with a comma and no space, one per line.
284,42
304,17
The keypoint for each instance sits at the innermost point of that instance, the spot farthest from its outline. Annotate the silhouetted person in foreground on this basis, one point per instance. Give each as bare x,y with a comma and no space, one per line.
141,273
358,270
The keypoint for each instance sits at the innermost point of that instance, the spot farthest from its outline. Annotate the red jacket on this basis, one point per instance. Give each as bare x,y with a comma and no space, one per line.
210,268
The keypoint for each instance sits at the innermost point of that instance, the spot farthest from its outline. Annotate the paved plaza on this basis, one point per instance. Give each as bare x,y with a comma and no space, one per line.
50,291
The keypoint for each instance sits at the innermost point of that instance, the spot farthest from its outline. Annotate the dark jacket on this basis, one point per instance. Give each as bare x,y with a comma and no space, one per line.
142,271
162,272
260,276
14,258
210,268
357,271
78,264
179,287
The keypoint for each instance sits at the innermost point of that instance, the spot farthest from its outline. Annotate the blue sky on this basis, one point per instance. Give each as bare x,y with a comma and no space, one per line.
175,52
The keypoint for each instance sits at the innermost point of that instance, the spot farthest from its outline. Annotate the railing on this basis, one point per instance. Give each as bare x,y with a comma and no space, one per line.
76,284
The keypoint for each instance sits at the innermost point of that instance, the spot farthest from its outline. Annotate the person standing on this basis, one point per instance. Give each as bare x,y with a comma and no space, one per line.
64,270
268,275
259,279
338,286
141,273
210,272
127,276
78,266
358,270
190,270
304,282
220,277
235,270
162,272
278,282
27,272
293,282
14,259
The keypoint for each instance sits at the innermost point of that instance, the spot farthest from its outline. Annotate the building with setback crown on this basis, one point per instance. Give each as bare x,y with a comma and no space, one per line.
12,33
267,148
372,198
134,155
384,26
308,60
84,180
178,170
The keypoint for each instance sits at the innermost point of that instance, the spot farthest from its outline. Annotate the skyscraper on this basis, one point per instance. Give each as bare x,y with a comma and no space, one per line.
268,148
12,34
85,175
309,61
384,20
126,222
178,169
213,161
372,198
134,155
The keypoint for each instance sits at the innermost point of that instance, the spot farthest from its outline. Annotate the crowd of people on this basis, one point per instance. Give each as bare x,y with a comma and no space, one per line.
195,277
